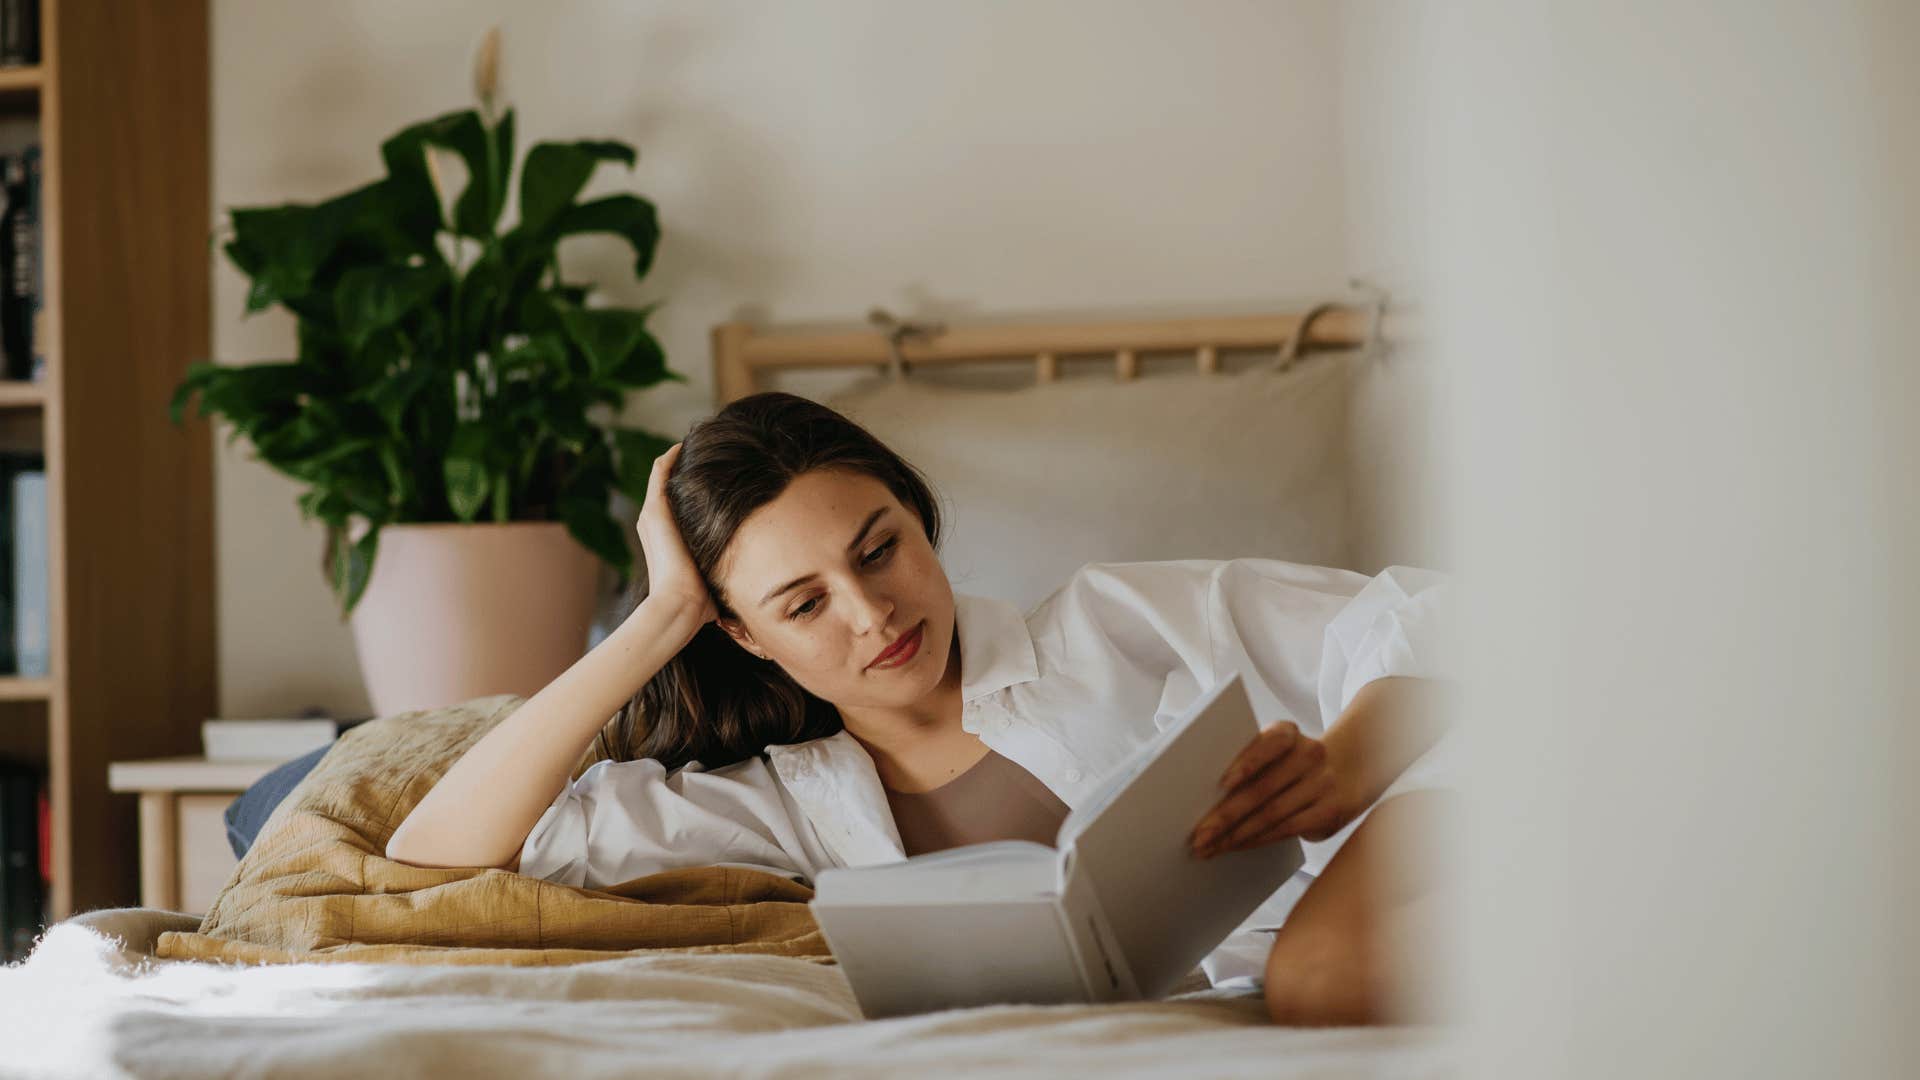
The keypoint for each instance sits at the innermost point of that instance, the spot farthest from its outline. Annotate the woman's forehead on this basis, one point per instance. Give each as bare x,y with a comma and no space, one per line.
815,518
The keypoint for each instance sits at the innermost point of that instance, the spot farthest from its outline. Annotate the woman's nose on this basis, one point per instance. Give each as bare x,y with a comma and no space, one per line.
871,610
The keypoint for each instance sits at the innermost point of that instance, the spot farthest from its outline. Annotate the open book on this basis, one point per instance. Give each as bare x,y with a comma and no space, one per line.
1118,909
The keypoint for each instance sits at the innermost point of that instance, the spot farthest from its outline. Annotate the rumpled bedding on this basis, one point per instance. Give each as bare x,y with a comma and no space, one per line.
93,1002
317,886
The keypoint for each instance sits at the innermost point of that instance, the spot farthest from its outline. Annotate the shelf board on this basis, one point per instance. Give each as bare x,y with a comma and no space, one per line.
19,83
19,394
25,688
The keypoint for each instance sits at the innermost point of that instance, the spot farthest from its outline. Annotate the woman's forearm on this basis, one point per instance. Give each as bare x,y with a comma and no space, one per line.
480,812
1385,728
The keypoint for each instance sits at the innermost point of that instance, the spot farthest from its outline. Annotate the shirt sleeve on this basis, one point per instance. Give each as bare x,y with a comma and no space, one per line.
1312,638
1400,624
624,820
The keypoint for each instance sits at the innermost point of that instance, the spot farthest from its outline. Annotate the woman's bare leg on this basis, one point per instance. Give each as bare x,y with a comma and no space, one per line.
1344,955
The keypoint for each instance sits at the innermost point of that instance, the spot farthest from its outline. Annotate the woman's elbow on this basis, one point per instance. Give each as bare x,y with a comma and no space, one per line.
405,847
400,846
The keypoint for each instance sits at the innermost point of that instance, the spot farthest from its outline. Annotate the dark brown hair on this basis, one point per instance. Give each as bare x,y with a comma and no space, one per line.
715,702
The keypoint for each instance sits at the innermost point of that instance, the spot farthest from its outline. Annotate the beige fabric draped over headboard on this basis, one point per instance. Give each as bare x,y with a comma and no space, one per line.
1043,479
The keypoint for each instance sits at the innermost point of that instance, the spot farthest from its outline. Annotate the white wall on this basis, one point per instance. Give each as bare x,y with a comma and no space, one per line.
1678,308
810,160
1399,480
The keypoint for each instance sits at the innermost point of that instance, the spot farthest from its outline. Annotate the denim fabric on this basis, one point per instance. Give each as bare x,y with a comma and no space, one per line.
247,813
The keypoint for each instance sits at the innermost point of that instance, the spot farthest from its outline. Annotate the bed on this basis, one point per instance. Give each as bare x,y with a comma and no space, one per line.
320,957
90,1002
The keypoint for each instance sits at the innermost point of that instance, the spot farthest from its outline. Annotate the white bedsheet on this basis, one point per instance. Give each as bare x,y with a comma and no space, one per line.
90,1002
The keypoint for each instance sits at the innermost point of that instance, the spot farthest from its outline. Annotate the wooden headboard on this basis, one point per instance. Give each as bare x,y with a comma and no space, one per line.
741,352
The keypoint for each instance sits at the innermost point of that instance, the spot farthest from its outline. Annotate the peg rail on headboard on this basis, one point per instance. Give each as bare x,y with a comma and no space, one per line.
741,352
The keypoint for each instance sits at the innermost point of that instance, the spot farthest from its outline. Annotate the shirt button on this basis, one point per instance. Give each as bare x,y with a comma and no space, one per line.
1005,722
1073,776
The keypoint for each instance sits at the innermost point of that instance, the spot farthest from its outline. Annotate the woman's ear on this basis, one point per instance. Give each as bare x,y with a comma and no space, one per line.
738,632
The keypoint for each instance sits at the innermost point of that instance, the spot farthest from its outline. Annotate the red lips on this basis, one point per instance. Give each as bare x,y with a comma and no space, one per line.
902,645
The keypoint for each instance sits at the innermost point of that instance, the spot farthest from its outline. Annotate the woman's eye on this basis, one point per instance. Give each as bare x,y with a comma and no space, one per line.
878,553
871,558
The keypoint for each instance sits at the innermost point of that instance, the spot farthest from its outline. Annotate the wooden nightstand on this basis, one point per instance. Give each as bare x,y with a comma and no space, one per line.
184,854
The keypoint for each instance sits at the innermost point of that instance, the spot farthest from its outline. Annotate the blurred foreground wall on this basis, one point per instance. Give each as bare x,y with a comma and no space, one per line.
1673,263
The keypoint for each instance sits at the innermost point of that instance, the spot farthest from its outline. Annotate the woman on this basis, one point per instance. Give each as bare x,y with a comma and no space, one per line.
798,687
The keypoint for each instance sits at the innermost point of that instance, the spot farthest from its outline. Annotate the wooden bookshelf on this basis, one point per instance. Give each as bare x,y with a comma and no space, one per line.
25,688
21,82
22,395
121,102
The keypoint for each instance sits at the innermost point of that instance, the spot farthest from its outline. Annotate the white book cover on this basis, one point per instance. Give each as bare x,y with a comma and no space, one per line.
264,740
1119,909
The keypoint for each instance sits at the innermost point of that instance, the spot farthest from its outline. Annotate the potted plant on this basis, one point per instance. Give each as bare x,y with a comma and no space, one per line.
449,407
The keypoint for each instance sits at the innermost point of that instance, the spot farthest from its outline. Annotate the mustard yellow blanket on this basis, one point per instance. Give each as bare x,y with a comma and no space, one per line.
315,886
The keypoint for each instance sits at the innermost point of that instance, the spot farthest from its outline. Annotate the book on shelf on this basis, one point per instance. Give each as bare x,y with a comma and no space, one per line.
23,565
22,313
28,585
272,739
23,881
1118,909
36,298
19,32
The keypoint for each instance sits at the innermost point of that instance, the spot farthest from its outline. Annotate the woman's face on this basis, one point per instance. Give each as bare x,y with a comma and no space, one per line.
827,576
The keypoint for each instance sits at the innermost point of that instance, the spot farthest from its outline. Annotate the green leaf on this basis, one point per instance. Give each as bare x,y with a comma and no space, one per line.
590,522
199,373
562,414
251,395
609,336
635,450
399,487
294,250
314,467
281,249
392,396
467,474
370,299
645,365
542,357
352,565
405,153
483,297
328,506
627,216
555,173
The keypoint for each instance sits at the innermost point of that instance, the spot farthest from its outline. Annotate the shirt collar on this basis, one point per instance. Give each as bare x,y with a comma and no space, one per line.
996,649
833,778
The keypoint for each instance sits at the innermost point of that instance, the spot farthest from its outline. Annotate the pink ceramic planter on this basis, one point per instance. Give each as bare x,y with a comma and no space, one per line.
455,612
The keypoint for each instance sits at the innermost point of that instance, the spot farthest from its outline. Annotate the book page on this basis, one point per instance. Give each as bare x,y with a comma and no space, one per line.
1168,908
978,873
911,958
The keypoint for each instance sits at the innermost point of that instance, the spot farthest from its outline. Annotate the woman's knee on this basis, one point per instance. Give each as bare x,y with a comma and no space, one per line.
1324,976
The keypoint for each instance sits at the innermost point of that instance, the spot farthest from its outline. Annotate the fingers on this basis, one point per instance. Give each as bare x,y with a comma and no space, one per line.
1316,821
662,465
1304,807
1265,749
1304,757
657,484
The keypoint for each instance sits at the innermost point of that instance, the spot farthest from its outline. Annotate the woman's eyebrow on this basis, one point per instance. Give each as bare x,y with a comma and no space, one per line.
865,527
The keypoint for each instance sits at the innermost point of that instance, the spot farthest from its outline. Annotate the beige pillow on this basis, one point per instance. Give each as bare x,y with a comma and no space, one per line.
1040,480
315,885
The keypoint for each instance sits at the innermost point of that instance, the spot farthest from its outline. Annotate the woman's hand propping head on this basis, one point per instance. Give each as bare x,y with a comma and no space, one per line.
671,573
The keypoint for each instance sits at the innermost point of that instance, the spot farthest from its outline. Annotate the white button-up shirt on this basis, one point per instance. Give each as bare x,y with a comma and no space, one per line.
1067,692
